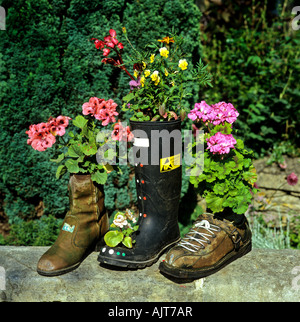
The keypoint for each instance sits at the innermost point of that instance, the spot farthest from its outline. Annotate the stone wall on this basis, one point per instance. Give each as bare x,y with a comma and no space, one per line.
261,275
276,197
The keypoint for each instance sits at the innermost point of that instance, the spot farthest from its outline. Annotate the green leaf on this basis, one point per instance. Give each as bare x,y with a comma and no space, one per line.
128,97
61,170
214,203
99,177
59,159
80,121
72,166
113,238
239,144
127,241
74,151
220,188
89,149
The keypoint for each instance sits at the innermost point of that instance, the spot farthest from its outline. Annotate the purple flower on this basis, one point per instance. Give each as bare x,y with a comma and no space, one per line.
135,84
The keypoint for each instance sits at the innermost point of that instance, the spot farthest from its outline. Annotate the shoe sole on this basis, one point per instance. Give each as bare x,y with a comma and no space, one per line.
135,264
206,271
59,272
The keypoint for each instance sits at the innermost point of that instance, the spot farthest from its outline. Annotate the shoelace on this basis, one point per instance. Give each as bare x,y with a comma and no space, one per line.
200,237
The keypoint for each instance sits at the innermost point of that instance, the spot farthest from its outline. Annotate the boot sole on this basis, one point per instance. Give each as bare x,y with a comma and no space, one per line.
206,271
135,264
60,271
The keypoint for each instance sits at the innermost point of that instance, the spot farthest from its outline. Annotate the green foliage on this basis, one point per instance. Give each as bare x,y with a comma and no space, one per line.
267,237
165,80
80,151
49,67
256,67
39,232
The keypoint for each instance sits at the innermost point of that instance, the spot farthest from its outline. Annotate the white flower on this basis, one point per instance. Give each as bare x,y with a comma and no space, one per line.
120,221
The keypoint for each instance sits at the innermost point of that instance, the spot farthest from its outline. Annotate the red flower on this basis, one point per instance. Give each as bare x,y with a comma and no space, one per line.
106,51
292,179
111,41
121,133
99,44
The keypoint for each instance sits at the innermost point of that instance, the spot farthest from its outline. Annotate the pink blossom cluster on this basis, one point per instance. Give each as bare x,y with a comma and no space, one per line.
102,110
42,135
216,114
121,133
220,143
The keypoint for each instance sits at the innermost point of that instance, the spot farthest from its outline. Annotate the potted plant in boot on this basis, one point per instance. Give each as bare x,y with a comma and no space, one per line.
226,181
161,77
79,154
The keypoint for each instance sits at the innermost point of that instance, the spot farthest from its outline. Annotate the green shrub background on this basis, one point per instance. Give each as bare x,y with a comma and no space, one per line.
49,66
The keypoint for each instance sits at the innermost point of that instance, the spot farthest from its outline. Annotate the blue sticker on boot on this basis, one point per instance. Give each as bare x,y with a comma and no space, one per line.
67,227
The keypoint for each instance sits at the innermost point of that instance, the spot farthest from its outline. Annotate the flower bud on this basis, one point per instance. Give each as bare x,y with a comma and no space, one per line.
182,114
162,109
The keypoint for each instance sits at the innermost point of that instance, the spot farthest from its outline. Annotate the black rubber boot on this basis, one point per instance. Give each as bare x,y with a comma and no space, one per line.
158,189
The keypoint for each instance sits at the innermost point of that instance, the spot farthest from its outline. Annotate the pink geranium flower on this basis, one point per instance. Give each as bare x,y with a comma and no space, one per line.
220,143
224,112
202,111
102,110
216,114
292,179
42,135
121,133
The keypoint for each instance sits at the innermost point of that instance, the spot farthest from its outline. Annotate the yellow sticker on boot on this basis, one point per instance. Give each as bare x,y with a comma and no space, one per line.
170,163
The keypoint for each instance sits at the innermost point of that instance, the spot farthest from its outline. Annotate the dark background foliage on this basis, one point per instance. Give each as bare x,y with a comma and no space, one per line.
50,67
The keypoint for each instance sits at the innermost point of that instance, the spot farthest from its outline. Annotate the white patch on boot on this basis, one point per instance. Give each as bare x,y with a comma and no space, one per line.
68,228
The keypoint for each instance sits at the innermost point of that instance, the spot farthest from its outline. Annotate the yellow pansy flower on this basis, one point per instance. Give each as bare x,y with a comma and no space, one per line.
135,73
144,65
164,52
152,58
147,72
183,64
155,78
166,72
142,81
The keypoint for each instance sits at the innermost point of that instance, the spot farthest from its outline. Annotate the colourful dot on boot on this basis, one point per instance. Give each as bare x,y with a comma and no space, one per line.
141,165
145,215
123,254
144,198
142,181
118,253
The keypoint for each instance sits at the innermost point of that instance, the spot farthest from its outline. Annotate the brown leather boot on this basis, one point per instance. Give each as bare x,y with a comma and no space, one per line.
211,244
85,223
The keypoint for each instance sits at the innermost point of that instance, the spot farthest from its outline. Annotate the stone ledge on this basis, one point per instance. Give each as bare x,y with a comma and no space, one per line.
261,275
